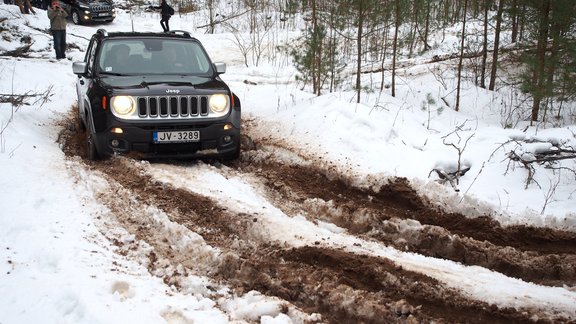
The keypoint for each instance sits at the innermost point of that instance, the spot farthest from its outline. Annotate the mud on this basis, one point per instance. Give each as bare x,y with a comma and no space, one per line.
341,286
397,216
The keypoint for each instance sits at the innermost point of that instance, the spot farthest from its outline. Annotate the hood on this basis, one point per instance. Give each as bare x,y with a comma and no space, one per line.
95,2
159,84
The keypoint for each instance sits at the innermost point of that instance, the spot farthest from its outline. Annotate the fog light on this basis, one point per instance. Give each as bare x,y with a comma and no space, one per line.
227,127
227,139
115,142
117,130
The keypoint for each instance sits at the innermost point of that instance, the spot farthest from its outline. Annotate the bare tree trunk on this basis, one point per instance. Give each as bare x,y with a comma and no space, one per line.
332,50
496,46
211,23
316,52
484,48
384,49
456,11
414,28
522,23
395,45
538,72
457,107
514,21
427,28
359,53
555,30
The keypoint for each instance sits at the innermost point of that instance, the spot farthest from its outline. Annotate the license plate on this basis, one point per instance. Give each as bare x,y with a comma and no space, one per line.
176,137
102,14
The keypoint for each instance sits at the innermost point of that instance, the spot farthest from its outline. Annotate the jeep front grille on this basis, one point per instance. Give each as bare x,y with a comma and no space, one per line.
101,8
172,106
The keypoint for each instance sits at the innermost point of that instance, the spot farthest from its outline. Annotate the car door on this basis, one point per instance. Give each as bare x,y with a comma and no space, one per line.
85,81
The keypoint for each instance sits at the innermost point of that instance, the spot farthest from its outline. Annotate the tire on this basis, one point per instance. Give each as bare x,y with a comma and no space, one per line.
91,150
76,17
81,124
234,155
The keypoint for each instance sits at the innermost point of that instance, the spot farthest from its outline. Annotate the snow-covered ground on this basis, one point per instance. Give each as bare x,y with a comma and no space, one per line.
56,265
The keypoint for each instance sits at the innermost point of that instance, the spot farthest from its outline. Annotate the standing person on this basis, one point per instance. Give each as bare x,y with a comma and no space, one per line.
25,7
57,16
166,12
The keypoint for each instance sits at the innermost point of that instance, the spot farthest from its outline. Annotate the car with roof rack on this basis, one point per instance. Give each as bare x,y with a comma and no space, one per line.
155,95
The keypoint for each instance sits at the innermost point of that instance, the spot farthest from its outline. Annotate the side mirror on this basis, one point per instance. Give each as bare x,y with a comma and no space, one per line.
79,68
220,67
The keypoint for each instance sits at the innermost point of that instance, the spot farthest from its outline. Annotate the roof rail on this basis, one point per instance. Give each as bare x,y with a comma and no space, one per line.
182,32
103,32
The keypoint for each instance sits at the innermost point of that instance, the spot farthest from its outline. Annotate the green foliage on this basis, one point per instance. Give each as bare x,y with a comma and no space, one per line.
315,56
550,79
304,52
359,34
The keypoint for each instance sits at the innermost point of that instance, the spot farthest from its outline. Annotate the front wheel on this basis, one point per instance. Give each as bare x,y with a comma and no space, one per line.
81,124
76,17
91,150
232,156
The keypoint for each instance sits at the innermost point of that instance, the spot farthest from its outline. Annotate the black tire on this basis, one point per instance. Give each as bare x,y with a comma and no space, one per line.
234,155
91,150
76,17
81,124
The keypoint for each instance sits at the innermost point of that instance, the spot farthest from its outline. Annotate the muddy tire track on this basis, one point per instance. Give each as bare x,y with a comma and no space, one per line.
315,279
341,286
397,216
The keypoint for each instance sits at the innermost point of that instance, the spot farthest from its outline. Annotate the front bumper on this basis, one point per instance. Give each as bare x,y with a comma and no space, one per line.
97,17
215,141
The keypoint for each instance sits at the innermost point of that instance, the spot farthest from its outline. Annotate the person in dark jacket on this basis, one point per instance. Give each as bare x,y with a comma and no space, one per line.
57,16
166,12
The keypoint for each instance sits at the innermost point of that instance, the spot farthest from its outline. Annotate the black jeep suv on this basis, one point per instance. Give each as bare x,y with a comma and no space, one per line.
156,95
87,11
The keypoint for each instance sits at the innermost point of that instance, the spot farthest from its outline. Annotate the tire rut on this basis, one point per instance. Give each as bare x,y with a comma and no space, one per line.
315,279
343,287
396,216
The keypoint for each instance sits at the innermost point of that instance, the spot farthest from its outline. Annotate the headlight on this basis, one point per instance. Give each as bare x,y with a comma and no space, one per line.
218,103
123,105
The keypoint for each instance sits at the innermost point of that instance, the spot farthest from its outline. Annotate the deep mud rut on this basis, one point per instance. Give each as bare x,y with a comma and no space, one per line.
341,286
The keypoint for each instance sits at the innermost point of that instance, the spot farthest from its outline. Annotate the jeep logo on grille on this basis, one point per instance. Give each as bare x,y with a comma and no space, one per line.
172,91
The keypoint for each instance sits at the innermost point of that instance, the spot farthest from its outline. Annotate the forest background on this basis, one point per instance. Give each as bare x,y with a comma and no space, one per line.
527,46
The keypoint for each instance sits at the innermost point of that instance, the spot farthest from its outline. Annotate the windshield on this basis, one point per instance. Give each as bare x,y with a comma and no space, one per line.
153,56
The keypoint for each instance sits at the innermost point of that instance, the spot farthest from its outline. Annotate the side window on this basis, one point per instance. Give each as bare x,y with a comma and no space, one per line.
91,55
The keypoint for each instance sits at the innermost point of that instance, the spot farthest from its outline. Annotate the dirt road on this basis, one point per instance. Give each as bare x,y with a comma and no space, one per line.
337,283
